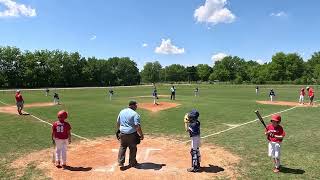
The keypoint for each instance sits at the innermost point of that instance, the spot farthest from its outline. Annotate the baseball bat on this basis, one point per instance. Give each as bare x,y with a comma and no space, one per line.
260,118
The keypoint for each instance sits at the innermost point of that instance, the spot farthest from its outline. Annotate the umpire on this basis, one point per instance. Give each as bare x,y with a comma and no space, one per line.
128,123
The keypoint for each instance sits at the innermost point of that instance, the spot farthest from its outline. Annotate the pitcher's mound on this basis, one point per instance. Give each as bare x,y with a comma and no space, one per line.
160,158
155,108
285,103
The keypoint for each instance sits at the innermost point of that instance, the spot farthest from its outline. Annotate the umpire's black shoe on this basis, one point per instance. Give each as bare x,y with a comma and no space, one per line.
136,165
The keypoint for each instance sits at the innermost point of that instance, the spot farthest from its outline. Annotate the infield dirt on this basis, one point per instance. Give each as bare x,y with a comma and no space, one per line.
159,158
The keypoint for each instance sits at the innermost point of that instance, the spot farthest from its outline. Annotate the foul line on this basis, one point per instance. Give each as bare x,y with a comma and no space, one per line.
80,137
244,124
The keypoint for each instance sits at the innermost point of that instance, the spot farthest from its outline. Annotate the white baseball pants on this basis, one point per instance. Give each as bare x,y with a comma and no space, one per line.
301,99
271,98
61,150
274,150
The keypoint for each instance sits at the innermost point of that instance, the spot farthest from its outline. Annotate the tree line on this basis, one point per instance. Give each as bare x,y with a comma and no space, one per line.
44,68
56,68
283,68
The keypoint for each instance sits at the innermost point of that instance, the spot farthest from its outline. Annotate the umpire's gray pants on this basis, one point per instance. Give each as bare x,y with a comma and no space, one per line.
128,140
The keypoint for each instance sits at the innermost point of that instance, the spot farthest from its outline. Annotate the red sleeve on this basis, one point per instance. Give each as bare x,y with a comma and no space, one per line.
54,127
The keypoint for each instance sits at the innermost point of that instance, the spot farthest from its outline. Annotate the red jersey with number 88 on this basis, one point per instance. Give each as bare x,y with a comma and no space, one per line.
61,129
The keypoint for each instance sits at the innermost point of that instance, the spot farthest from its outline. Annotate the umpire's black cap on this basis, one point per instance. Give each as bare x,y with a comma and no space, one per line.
132,103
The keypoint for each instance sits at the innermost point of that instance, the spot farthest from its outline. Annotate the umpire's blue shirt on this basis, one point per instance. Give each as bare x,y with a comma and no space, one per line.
127,119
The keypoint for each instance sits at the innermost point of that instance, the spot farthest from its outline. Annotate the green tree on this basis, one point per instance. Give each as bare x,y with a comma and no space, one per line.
13,66
192,73
125,71
151,72
175,72
204,71
229,68
286,67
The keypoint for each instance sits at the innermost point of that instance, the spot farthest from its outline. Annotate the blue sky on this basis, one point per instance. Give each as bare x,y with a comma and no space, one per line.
187,32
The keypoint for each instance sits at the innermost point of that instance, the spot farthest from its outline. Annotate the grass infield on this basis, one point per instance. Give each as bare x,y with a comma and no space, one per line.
93,115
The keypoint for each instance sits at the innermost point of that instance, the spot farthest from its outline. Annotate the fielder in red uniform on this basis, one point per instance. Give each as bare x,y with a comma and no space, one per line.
310,94
275,135
19,101
61,136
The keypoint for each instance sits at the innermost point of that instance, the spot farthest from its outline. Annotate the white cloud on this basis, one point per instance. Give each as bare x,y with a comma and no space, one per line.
260,61
279,14
167,48
144,45
15,9
93,37
214,12
218,57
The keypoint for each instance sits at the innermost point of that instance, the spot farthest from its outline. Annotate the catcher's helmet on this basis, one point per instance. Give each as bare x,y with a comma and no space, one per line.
62,114
276,117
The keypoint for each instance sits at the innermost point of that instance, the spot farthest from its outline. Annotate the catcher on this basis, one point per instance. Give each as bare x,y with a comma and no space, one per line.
192,125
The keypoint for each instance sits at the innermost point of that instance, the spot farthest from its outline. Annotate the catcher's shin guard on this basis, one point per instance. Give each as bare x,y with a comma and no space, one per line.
195,159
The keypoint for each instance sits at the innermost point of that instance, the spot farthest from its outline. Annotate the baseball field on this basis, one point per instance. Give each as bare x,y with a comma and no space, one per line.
233,145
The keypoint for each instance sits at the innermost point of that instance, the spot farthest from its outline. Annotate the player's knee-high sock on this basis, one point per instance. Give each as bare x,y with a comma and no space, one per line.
277,163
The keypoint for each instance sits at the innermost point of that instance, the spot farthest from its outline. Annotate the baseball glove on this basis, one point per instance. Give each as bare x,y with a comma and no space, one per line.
186,118
118,134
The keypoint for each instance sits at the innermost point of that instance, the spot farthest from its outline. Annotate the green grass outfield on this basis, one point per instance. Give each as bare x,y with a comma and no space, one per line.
93,115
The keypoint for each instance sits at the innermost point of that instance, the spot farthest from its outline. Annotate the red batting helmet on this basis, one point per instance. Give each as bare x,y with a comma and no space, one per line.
62,114
276,117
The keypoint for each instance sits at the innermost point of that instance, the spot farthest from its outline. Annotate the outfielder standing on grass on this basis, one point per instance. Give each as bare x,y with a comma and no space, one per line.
275,135
61,136
310,94
110,94
192,125
19,101
129,127
196,92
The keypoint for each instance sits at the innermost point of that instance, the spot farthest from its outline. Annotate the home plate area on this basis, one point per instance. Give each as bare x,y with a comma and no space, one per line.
158,157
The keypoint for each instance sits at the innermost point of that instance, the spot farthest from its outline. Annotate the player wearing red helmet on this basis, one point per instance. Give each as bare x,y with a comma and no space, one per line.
275,135
61,136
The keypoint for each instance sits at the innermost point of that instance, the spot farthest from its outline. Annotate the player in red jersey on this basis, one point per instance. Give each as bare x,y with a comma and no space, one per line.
275,135
61,136
311,95
19,101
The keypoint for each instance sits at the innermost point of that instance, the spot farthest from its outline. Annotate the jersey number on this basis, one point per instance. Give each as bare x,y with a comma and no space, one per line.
60,129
